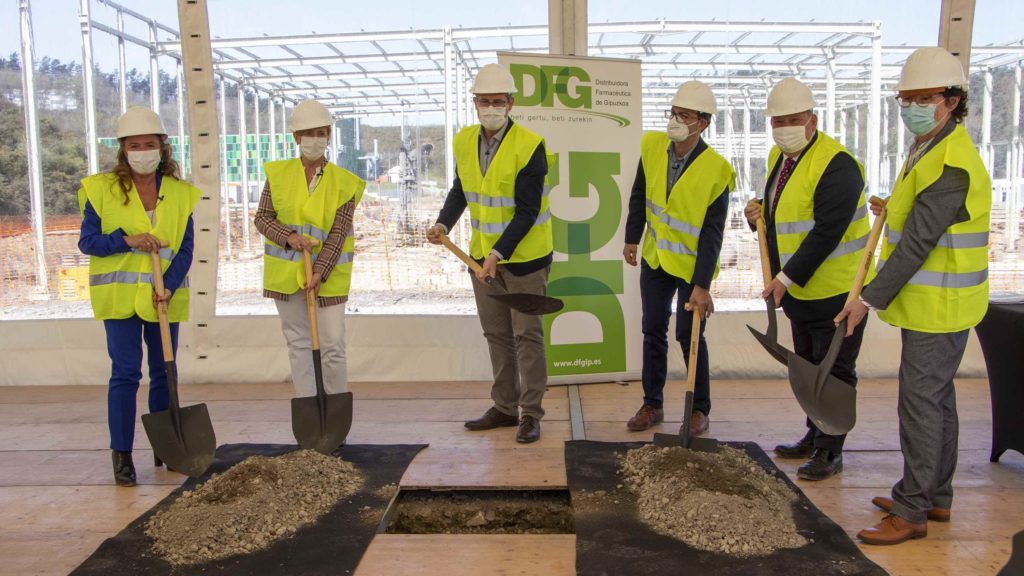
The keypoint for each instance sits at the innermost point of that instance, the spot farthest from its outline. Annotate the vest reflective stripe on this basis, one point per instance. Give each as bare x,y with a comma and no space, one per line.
120,285
491,201
165,253
671,222
675,218
491,197
944,279
949,292
311,215
947,240
844,248
794,220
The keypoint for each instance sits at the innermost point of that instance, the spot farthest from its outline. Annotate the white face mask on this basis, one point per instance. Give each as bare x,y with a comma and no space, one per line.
678,131
143,161
492,119
313,147
791,139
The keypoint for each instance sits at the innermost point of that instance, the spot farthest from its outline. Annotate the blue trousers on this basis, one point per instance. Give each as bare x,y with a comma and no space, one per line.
124,346
657,290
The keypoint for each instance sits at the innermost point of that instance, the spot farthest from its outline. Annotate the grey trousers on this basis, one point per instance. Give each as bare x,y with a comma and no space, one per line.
928,422
516,344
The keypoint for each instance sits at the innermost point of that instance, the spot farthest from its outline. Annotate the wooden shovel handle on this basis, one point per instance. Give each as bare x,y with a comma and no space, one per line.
314,331
462,255
762,243
869,251
691,370
161,309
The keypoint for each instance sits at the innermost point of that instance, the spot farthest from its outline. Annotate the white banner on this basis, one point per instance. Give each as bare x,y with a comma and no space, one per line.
589,112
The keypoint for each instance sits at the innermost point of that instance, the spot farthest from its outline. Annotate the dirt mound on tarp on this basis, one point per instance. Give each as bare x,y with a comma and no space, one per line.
255,503
721,502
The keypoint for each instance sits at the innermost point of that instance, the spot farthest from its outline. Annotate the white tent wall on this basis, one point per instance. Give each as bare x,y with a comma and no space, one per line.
388,349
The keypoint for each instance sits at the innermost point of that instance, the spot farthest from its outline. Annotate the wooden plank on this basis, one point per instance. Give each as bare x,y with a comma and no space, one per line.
470,555
497,468
760,388
77,468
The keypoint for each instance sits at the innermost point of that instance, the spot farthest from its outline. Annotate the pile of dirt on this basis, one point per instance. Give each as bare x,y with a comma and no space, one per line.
721,502
257,502
477,512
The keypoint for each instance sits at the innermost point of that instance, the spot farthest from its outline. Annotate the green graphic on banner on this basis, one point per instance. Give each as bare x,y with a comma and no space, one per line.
551,81
587,285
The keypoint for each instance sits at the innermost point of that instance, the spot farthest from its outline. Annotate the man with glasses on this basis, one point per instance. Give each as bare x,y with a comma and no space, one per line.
817,226
932,283
681,197
500,170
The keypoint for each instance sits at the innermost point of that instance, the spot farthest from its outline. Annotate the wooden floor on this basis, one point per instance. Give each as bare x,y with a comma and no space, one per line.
57,501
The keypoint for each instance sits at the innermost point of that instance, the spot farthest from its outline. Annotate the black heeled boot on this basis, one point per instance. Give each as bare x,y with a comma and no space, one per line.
124,469
158,463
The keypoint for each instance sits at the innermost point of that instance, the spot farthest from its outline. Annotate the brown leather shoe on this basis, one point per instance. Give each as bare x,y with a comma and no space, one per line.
892,530
493,418
935,514
645,417
699,423
529,430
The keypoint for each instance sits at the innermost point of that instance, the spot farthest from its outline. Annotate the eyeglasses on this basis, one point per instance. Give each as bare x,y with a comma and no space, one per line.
920,100
680,116
485,103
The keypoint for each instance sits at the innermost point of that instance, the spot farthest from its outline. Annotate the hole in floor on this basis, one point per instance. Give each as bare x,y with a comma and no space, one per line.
480,512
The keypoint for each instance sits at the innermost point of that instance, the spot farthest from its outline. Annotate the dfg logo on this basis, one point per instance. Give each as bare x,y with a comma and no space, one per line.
550,81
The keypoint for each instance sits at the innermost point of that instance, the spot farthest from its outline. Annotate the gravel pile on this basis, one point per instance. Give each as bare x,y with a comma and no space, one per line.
257,502
720,502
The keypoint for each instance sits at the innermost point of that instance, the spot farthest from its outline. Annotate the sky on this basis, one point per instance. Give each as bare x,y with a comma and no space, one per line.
57,31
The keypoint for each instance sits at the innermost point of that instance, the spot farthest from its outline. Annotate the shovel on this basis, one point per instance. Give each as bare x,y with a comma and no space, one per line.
685,439
770,340
323,421
828,401
532,304
181,436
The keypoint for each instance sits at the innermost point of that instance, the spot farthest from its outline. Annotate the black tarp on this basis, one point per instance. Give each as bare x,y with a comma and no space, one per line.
334,544
612,539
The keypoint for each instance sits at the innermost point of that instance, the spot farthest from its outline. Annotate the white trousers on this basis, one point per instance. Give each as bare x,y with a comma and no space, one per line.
331,324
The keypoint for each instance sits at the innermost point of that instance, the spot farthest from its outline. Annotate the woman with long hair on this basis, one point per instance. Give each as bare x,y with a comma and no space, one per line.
139,207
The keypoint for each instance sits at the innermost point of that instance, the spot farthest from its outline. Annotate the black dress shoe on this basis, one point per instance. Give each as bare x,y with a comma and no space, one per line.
823,463
529,430
802,448
493,418
124,469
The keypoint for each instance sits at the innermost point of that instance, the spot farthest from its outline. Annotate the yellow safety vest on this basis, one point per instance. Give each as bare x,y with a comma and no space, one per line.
794,219
120,285
674,220
311,215
950,291
491,197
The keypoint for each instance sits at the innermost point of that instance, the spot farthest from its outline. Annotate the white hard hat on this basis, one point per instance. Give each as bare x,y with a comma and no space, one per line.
138,121
493,79
310,114
931,67
695,95
789,96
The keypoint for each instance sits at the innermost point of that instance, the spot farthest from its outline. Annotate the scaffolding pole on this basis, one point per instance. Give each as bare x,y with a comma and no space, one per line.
185,168
449,113
986,120
886,173
272,104
154,69
243,152
35,177
256,134
1014,168
122,78
89,88
224,189
830,94
748,182
874,104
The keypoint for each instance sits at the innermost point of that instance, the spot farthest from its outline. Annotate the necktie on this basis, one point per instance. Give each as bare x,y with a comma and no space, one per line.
787,171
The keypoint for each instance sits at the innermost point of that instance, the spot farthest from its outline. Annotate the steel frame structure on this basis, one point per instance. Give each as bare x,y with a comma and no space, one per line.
399,72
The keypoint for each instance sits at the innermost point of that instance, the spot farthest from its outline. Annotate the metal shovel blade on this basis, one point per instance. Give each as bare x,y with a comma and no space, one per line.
685,439
531,304
770,340
187,449
828,401
322,423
